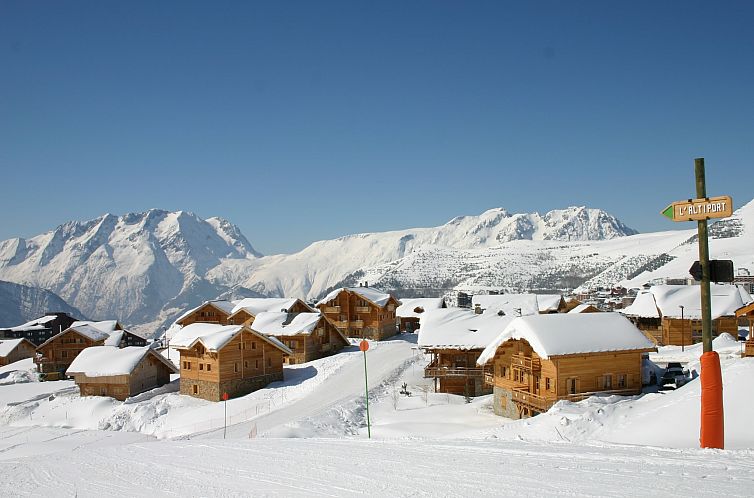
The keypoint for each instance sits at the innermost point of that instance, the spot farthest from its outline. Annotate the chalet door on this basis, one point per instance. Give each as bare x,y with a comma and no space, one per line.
572,386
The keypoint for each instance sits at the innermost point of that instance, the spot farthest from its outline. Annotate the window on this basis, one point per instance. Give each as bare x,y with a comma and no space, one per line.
201,366
246,364
503,371
64,354
235,367
622,381
239,345
196,389
607,381
547,383
256,363
253,345
209,367
269,362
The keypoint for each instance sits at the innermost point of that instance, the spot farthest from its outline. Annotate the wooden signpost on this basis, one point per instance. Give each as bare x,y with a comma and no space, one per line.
701,209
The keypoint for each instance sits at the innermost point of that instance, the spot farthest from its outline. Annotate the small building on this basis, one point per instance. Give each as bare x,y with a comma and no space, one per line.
308,335
747,312
584,308
410,310
55,355
361,312
232,359
551,303
454,338
13,350
216,311
671,315
119,372
507,304
245,311
539,360
40,329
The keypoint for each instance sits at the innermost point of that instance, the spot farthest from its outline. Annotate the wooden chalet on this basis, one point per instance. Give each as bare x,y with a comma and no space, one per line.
40,329
584,308
410,311
233,359
671,314
216,311
245,311
748,313
119,372
506,304
308,335
454,338
55,355
551,303
13,350
539,360
361,312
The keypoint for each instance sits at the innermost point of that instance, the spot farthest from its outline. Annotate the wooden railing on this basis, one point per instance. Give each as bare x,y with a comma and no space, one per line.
523,397
332,309
358,324
363,309
526,362
341,324
433,370
749,348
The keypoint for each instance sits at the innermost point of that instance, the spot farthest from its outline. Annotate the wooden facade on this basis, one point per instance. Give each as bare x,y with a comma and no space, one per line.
324,340
245,317
55,356
22,350
40,330
455,371
359,317
151,372
525,384
209,312
747,312
244,364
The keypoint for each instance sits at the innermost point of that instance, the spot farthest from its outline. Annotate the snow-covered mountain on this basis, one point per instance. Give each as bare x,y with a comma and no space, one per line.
133,267
145,269
21,303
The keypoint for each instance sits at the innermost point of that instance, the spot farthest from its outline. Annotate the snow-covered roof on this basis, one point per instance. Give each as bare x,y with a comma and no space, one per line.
510,304
8,345
562,334
408,307
548,302
36,324
103,361
221,304
256,305
106,326
668,299
580,308
369,293
214,337
455,328
278,324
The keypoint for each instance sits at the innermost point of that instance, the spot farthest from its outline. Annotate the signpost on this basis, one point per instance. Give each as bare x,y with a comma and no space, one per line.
225,419
364,346
700,210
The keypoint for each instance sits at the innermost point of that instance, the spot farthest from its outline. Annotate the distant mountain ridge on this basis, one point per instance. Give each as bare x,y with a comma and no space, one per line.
146,268
21,303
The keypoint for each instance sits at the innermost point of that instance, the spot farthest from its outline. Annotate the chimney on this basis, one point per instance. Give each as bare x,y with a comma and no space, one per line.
477,309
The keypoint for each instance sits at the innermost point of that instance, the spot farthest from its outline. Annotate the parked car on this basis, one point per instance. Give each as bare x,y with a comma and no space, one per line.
674,374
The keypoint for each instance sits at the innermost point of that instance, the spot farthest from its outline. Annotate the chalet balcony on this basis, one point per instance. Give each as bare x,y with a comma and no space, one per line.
489,377
341,324
749,348
357,324
526,363
332,309
363,309
524,398
433,370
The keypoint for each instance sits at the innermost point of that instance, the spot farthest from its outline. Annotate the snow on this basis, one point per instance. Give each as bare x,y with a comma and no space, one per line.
103,361
106,326
579,309
256,305
36,324
725,300
278,324
548,302
8,345
510,304
564,334
454,328
408,307
370,294
214,337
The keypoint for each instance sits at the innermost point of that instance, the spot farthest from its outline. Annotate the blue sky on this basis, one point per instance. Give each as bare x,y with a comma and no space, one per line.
301,121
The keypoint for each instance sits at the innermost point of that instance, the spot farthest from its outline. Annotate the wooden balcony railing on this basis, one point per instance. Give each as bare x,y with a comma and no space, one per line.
749,348
433,370
363,309
525,398
526,362
341,324
332,309
357,324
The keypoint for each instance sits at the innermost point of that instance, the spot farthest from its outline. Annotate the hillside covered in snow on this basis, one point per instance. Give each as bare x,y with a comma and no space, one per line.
21,303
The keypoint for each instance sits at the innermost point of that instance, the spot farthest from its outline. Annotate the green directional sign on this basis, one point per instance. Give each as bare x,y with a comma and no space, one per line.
700,209
668,212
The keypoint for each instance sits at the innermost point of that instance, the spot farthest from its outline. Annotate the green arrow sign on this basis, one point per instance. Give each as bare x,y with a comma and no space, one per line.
668,212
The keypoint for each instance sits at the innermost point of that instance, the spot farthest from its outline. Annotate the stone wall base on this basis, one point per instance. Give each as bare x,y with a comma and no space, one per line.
213,391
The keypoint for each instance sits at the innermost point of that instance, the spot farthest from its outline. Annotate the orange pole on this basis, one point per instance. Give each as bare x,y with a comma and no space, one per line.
712,433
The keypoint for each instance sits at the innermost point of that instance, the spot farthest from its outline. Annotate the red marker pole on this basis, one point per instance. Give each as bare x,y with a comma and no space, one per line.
364,346
225,418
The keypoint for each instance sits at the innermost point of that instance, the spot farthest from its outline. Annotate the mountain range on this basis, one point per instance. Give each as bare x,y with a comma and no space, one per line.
145,268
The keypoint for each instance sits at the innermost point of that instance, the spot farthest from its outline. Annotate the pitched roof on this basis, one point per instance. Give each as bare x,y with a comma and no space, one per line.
221,304
103,361
581,308
36,324
548,302
454,328
566,334
369,293
408,306
256,305
8,345
510,304
668,299
96,331
280,324
106,326
214,337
